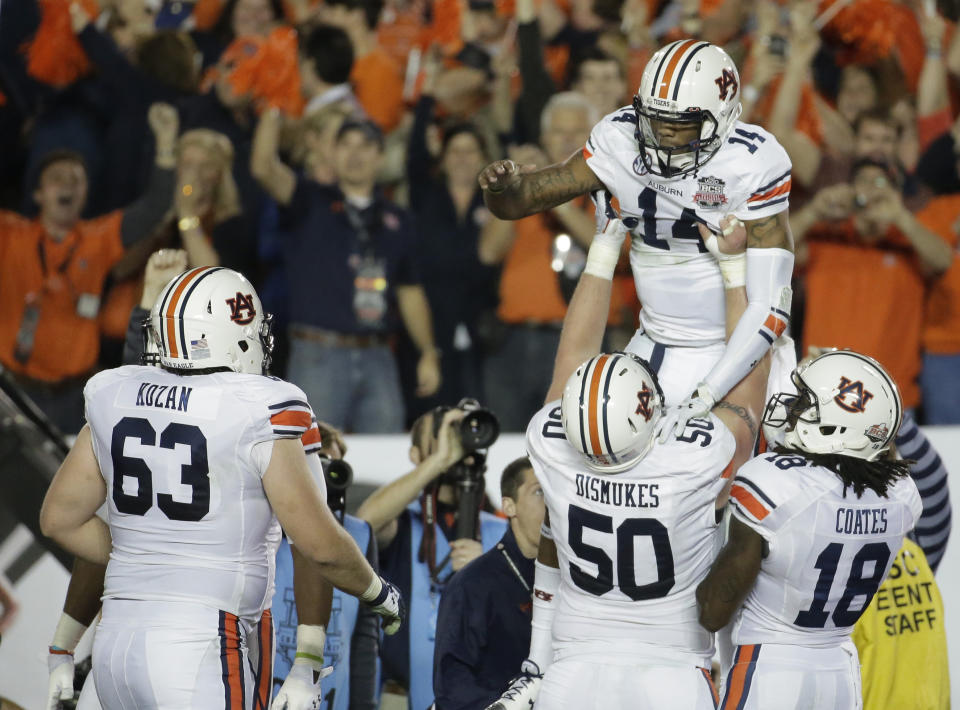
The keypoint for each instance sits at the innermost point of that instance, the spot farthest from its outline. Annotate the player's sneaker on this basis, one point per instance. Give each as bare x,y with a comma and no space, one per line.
523,690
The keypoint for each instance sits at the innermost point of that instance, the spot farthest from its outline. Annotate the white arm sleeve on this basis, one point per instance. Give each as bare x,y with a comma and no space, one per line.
766,317
546,585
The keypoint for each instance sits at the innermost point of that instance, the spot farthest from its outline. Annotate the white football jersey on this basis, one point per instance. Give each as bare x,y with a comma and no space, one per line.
185,503
828,552
633,545
677,280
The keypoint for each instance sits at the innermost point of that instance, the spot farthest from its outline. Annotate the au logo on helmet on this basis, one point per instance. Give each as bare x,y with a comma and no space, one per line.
241,308
643,406
727,80
852,396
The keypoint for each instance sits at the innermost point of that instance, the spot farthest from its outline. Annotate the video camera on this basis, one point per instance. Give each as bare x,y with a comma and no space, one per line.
478,430
338,475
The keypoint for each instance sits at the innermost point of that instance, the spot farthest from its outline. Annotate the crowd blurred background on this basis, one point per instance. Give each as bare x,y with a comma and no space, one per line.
329,151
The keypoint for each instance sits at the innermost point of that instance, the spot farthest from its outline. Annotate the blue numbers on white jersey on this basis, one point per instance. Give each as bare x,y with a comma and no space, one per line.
746,138
683,228
858,585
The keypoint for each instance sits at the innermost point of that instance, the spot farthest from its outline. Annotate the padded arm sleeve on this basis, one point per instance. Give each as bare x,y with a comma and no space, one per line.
766,318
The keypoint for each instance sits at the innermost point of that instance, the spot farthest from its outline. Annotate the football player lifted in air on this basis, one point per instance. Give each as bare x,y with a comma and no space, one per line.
816,526
197,460
633,523
678,158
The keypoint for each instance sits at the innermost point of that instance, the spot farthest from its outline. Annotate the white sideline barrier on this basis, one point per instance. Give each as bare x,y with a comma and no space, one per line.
375,460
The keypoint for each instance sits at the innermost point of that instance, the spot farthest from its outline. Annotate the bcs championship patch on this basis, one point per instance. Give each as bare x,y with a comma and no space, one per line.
709,192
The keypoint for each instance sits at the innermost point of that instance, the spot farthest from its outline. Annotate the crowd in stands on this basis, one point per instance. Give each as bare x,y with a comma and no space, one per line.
329,151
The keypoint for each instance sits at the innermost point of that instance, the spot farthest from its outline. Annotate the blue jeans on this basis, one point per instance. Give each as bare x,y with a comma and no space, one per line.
354,389
940,384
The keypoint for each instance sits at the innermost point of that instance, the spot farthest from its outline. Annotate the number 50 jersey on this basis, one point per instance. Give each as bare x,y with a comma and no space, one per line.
633,545
677,280
185,502
828,551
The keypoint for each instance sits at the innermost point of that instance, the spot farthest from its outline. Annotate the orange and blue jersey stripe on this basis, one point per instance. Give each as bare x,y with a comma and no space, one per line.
740,677
264,676
713,688
231,662
774,192
749,499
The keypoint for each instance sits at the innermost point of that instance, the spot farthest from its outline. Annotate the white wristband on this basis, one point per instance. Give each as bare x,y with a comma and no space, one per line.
734,271
373,591
68,634
311,641
602,260
733,267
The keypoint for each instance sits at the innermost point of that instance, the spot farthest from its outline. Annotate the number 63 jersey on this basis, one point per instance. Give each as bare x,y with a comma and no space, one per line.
633,545
829,551
677,280
182,464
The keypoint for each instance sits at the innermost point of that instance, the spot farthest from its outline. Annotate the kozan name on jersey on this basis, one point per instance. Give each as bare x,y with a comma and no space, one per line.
828,551
677,280
185,503
633,545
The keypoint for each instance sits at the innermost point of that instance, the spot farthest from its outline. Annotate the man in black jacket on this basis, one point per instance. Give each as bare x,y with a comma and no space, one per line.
483,627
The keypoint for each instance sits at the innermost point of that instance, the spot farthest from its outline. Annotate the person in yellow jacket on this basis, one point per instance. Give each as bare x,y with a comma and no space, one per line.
901,639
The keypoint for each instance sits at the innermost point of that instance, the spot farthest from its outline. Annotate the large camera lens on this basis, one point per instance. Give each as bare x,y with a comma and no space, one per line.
478,430
338,473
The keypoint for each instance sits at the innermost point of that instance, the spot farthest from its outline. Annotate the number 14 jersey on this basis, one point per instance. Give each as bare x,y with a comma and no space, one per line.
633,546
677,280
828,551
179,454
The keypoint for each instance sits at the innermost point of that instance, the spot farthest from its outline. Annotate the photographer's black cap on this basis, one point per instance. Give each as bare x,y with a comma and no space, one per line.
370,130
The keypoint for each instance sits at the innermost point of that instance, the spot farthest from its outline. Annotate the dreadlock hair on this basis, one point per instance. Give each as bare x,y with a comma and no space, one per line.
855,473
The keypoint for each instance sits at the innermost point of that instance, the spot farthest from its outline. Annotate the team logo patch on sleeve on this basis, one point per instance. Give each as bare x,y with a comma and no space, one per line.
241,308
710,192
852,396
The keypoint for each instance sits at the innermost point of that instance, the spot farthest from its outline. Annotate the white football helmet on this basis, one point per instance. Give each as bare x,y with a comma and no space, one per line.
847,404
610,408
687,82
211,317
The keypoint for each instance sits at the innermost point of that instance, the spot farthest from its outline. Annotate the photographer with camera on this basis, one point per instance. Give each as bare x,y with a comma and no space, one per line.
347,631
429,525
868,262
483,625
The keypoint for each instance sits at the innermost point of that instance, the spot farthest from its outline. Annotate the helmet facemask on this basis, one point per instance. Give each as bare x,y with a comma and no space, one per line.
674,161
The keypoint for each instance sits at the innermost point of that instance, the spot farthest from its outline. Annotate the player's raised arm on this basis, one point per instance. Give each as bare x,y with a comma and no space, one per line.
586,318
513,191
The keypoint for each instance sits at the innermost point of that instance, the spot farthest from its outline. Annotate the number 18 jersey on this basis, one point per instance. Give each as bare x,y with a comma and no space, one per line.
633,545
828,551
677,280
189,518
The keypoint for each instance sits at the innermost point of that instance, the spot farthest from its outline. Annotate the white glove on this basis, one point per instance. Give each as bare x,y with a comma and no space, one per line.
301,688
385,602
675,419
523,690
60,685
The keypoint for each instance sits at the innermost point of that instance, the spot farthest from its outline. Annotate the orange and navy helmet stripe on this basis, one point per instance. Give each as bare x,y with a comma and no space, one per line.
231,662
666,81
594,429
172,336
741,677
